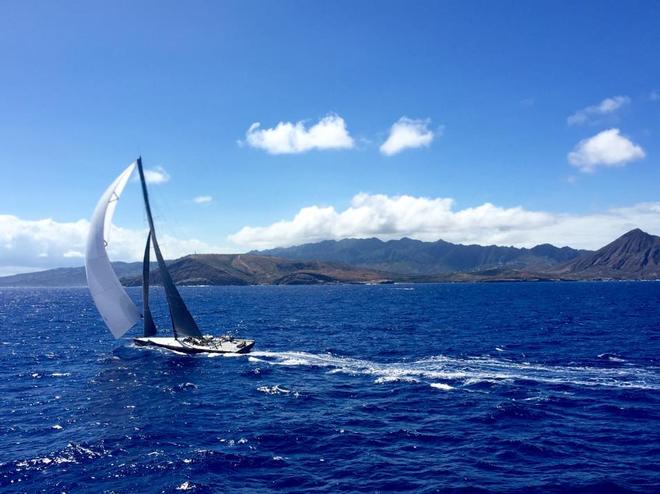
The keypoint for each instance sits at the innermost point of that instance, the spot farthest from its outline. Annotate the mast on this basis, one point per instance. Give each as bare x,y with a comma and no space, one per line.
183,323
149,326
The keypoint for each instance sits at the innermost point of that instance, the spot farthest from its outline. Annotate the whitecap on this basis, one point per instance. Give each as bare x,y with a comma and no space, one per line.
187,386
395,378
273,390
612,357
442,386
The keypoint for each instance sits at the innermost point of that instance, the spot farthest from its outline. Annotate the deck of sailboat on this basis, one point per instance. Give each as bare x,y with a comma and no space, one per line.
215,345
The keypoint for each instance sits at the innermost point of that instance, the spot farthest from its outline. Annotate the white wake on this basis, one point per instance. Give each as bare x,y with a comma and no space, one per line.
446,373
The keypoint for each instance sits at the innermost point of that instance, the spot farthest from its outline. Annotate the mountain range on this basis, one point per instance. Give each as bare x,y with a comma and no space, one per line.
635,255
414,257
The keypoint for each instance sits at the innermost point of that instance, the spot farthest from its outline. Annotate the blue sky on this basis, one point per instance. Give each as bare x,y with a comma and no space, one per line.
87,86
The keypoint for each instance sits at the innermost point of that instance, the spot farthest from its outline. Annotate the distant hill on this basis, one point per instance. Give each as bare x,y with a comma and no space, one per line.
248,269
414,257
64,276
635,255
210,269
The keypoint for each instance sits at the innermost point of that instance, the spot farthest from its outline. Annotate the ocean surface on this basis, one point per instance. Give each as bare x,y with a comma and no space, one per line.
520,387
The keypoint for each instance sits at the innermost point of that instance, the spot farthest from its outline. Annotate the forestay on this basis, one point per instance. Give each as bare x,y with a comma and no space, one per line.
117,309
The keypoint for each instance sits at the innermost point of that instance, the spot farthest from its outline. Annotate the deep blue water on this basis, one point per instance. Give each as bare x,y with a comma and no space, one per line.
523,387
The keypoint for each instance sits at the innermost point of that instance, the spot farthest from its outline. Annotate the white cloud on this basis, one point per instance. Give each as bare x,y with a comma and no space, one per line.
203,200
654,96
28,245
156,175
607,148
291,138
605,107
407,133
393,217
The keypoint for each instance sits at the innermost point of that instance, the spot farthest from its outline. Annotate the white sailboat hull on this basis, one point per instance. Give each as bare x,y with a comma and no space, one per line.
215,344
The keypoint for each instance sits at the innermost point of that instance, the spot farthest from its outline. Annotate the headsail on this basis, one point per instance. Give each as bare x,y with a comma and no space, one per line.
117,309
149,325
183,323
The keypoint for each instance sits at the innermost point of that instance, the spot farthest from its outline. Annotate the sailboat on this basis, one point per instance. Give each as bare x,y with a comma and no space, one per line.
118,310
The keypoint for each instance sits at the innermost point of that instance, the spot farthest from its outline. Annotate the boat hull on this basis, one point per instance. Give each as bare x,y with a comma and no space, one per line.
208,345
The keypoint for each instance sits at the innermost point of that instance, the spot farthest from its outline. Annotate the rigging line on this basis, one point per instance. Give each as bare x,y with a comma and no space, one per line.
182,320
167,216
161,216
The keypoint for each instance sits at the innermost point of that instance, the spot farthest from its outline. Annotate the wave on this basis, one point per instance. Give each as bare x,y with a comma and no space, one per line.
442,372
73,453
276,390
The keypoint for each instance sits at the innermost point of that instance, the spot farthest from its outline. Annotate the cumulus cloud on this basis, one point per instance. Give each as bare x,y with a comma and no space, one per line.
291,138
28,245
607,148
605,107
156,175
407,133
203,200
423,218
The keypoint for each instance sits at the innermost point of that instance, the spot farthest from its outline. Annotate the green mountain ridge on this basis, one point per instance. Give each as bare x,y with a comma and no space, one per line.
415,257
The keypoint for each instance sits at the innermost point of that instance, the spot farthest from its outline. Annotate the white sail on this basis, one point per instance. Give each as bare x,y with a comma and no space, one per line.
117,309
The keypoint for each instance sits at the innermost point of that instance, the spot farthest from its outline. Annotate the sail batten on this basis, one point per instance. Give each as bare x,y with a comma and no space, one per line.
116,307
183,323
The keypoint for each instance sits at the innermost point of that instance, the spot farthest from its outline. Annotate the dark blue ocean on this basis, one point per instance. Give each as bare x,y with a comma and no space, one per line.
521,387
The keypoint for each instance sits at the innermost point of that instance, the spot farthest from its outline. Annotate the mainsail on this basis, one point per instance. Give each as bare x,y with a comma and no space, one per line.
183,323
149,325
117,309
